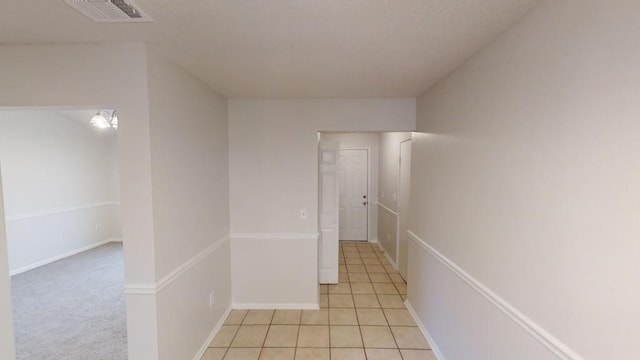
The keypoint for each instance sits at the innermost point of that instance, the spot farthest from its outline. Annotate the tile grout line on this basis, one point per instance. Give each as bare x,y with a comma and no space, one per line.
235,334
382,309
355,309
387,319
388,272
264,342
295,350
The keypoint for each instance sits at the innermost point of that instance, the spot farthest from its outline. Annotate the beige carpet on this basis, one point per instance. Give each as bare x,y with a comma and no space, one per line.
72,309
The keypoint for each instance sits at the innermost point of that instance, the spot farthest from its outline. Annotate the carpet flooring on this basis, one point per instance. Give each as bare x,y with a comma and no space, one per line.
72,309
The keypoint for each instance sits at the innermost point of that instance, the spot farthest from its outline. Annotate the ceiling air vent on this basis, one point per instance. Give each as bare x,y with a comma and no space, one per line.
109,10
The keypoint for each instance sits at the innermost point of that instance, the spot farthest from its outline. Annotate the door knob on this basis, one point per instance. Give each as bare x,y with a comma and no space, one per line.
364,196
364,203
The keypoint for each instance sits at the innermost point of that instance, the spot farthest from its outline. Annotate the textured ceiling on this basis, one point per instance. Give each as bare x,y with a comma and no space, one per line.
289,48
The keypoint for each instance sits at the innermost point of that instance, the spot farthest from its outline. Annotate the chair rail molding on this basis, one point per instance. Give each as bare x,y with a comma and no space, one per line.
274,235
387,209
559,349
154,289
60,210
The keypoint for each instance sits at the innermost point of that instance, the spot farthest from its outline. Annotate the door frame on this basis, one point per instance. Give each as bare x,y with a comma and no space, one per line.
7,350
368,149
328,247
400,206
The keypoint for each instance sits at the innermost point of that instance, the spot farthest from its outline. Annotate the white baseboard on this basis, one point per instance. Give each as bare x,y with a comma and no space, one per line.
434,347
115,240
214,332
559,349
393,263
278,236
56,258
328,276
373,241
386,255
285,267
276,306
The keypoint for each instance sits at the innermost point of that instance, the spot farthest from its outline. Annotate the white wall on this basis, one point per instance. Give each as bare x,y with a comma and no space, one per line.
7,342
58,186
275,271
369,141
189,148
49,76
137,86
388,191
526,187
274,174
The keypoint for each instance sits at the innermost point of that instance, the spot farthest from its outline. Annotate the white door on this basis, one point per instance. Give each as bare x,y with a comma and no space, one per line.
7,350
404,185
328,213
354,195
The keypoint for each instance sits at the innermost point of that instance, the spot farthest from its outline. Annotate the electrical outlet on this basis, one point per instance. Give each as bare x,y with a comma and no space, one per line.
212,299
98,227
303,214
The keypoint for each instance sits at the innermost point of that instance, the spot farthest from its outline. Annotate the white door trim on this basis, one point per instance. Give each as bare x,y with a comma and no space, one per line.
7,342
400,213
328,221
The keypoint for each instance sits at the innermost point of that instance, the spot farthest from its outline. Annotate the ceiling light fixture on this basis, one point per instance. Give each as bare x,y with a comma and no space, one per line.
114,120
103,119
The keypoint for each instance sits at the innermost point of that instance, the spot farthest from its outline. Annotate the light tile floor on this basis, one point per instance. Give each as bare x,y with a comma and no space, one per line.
361,318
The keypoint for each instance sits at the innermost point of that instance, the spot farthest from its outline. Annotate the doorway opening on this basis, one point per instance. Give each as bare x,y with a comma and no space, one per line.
357,183
372,177
63,231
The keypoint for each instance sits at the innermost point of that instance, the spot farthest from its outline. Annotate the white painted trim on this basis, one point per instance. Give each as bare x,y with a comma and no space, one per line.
310,236
115,240
154,289
391,212
374,204
558,348
172,276
353,148
276,306
434,347
56,258
213,334
60,211
386,255
329,276
139,289
399,206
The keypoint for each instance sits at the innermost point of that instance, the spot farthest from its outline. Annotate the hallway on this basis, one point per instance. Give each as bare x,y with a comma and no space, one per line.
363,317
